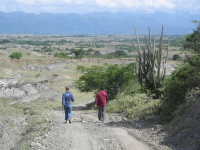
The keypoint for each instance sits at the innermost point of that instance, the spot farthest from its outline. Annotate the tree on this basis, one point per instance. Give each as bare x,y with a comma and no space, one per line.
119,53
15,55
79,53
151,64
176,57
193,40
115,78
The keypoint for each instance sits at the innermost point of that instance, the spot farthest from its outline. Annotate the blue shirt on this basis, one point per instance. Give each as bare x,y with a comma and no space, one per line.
67,98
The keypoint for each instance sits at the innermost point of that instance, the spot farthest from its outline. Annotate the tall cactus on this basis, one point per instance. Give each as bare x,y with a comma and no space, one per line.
151,63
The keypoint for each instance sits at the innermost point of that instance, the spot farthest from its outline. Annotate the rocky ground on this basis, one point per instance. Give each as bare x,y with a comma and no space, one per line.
86,132
116,133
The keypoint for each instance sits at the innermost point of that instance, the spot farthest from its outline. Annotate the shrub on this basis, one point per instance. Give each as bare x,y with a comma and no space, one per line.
62,55
15,55
176,57
189,108
182,80
134,107
173,97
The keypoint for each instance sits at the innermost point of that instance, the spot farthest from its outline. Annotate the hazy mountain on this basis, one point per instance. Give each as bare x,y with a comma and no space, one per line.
96,23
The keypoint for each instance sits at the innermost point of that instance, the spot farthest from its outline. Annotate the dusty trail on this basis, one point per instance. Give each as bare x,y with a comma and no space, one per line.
87,133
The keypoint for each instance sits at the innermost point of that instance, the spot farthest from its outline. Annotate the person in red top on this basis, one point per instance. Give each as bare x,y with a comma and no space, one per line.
100,101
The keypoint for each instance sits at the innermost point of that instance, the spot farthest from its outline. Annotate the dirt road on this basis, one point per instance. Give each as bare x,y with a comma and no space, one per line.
87,133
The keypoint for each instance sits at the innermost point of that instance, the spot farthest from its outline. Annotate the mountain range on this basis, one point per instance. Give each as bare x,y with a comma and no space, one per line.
96,23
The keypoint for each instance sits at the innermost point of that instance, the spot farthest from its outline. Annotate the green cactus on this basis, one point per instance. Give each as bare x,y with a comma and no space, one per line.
151,63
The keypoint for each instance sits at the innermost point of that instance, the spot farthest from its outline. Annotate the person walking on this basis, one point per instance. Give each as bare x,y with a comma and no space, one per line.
100,101
67,99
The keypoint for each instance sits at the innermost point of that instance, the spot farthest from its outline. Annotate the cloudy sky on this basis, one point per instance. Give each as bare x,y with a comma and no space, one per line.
85,6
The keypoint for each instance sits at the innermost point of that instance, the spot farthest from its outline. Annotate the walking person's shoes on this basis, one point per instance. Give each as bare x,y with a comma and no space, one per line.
70,121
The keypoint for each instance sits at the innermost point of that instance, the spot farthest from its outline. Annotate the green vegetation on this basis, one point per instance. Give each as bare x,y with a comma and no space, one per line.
62,55
137,106
4,41
79,53
115,78
176,57
169,92
177,42
193,40
184,79
117,54
15,55
150,74
35,43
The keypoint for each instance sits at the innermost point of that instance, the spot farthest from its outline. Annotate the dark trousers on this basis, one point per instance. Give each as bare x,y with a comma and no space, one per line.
101,113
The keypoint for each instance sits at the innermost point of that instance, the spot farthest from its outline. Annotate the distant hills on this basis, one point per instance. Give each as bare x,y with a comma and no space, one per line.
96,23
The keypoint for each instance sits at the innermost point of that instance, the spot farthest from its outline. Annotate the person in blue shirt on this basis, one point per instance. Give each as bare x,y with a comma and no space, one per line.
67,99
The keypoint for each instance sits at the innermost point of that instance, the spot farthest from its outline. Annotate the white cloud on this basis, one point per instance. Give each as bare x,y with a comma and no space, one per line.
163,4
28,2
82,6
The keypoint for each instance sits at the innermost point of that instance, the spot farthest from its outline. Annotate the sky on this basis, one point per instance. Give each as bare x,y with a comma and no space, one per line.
86,6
